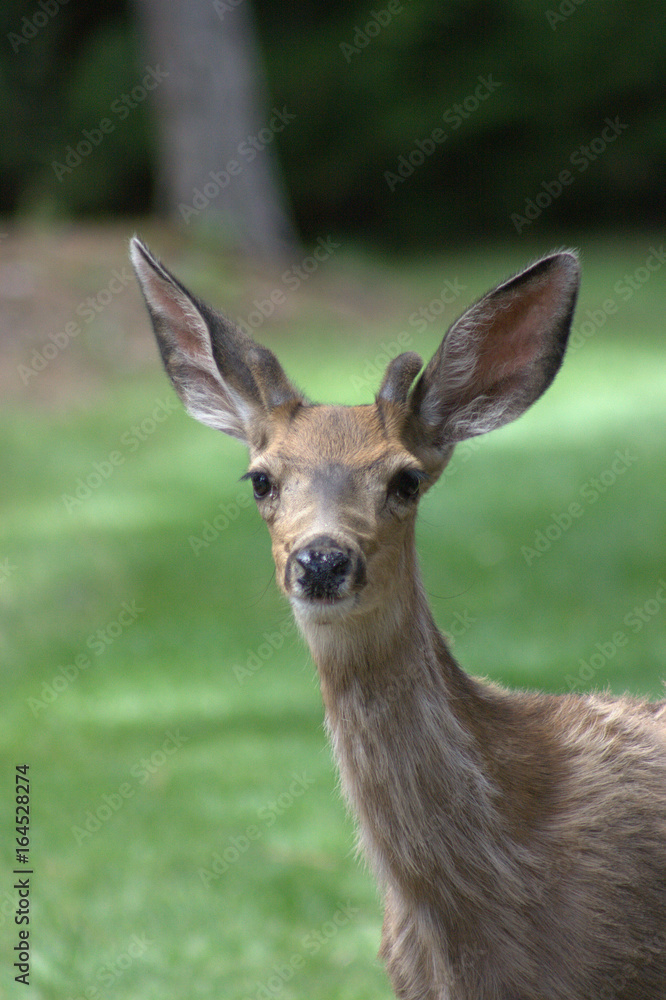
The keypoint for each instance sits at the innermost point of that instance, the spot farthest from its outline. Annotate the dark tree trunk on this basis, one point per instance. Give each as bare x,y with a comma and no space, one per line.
216,131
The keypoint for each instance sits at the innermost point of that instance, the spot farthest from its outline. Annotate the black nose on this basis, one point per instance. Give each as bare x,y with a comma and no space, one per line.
325,568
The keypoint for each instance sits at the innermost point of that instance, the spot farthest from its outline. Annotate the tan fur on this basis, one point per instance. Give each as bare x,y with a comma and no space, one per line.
519,839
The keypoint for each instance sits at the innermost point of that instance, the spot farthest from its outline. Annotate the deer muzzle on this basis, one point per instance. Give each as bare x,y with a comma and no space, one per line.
325,570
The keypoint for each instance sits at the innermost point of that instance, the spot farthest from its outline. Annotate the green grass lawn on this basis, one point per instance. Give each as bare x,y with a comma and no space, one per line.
187,837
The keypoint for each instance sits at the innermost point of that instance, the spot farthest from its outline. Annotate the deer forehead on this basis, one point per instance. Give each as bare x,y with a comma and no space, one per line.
324,441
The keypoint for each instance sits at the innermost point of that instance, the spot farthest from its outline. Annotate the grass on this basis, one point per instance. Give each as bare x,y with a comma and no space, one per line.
187,837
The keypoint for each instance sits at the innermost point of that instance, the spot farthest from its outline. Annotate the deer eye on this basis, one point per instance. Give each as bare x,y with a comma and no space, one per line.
261,484
405,485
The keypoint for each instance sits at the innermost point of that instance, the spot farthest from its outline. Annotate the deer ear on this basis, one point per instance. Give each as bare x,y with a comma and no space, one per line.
499,357
223,377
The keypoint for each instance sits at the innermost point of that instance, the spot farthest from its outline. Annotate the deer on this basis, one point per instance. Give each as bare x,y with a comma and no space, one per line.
518,838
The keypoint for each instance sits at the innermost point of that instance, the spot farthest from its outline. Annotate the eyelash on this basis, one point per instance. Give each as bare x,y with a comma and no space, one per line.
406,484
261,484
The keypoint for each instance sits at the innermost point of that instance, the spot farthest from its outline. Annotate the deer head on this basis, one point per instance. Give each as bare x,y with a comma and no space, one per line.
339,486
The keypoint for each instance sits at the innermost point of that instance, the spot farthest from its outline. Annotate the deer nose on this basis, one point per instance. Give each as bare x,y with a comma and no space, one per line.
323,569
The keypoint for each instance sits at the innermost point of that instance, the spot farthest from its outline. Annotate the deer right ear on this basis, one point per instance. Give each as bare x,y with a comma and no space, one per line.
223,377
499,357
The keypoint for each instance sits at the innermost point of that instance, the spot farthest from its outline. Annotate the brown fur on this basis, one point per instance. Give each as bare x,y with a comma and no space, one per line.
519,839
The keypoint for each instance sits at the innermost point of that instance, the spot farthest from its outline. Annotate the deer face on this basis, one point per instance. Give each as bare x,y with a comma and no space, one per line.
338,486
339,491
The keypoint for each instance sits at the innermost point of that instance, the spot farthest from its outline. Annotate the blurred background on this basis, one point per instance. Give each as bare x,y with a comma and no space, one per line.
343,180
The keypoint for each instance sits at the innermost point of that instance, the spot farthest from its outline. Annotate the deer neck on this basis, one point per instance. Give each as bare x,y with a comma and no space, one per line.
378,659
380,646
400,716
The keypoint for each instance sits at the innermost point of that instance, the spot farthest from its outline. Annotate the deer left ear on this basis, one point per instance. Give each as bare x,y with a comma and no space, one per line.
499,357
223,377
